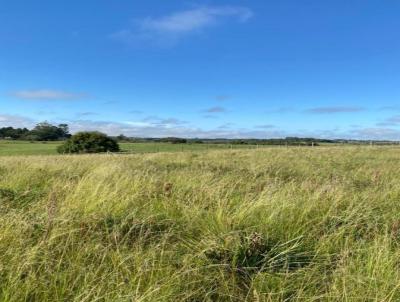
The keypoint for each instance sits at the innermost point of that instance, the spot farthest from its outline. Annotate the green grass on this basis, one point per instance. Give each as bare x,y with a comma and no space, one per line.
50,148
274,224
28,148
168,147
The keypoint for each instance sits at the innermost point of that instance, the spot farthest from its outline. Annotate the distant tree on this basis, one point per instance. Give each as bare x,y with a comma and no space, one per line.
47,132
122,137
13,133
64,131
173,140
89,142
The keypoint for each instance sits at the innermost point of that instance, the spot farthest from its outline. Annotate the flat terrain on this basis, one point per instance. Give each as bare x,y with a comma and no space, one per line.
50,148
275,224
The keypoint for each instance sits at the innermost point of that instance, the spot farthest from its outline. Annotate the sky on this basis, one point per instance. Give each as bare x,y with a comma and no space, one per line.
233,69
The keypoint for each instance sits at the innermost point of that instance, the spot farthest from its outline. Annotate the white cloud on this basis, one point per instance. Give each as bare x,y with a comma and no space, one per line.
377,133
195,19
46,94
9,120
158,127
155,120
170,28
143,129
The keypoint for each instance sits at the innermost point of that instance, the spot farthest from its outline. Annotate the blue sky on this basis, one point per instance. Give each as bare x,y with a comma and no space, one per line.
232,68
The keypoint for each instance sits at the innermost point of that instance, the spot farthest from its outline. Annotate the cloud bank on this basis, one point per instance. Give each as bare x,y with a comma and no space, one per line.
164,127
9,120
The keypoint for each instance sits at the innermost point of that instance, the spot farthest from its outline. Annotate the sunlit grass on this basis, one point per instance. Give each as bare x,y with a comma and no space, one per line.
275,224
9,148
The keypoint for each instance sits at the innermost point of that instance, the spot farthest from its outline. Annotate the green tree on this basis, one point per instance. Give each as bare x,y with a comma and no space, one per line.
122,137
47,132
89,142
63,130
13,133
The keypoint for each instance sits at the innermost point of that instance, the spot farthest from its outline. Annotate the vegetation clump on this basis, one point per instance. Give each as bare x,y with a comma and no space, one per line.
254,253
41,132
6,195
89,142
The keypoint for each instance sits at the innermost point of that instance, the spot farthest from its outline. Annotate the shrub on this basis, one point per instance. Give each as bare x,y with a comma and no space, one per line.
89,142
173,140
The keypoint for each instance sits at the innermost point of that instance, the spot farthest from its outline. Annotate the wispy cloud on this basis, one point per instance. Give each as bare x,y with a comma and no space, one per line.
134,129
281,110
110,103
332,110
216,109
46,112
391,121
266,126
9,120
210,116
158,121
195,19
173,121
223,97
389,108
170,28
226,126
46,95
135,112
87,113
376,133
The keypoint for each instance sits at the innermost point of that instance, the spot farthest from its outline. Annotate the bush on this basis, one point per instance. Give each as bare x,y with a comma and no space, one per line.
173,140
89,142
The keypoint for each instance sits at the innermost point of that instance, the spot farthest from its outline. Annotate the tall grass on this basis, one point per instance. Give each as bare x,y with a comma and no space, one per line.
318,224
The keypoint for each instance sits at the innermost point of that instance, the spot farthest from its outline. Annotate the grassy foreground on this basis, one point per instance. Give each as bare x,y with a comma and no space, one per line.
318,224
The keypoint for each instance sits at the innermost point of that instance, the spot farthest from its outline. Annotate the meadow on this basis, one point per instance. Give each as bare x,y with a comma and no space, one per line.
269,224
8,148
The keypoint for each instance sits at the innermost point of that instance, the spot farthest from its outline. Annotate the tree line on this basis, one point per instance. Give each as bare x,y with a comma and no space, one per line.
41,132
47,132
292,141
286,141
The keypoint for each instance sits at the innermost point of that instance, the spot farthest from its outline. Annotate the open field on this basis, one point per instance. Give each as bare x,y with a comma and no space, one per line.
271,224
50,148
28,148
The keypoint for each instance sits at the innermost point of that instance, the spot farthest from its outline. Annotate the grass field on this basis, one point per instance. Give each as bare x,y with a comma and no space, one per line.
297,224
50,148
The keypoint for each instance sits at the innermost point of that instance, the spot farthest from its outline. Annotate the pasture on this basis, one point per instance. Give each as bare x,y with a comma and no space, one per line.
269,224
8,148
